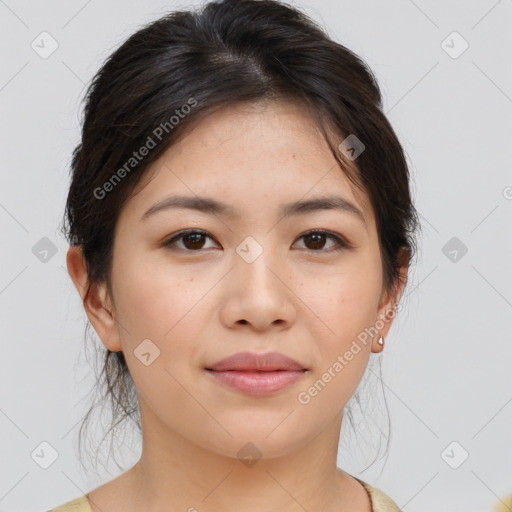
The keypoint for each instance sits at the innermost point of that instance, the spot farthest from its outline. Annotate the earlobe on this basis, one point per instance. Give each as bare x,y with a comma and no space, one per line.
385,317
96,302
387,311
380,343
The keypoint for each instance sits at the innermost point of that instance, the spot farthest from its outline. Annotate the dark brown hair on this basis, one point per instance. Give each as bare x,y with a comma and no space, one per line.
228,51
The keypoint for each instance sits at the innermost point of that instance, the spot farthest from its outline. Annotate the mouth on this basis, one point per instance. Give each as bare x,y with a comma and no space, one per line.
256,382
257,374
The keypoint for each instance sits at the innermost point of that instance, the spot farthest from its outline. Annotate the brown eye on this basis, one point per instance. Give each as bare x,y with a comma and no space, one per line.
315,241
192,240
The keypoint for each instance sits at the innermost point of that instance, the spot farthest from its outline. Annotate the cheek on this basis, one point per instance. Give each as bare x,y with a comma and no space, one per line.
153,300
348,310
346,301
158,312
169,308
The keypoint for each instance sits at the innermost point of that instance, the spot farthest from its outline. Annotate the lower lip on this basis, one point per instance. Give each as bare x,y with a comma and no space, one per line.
257,383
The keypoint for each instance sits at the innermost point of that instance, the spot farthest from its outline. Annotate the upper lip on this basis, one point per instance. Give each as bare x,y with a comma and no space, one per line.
250,361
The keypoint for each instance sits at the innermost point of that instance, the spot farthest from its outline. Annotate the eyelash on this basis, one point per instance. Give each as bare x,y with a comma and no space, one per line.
340,242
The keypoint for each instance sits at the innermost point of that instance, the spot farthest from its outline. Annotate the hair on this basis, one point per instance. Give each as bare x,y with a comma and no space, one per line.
176,70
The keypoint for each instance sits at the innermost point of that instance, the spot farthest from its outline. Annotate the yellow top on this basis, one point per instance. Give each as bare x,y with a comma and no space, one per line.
380,502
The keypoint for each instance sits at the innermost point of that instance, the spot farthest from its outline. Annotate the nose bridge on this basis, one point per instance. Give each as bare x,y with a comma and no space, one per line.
258,294
257,266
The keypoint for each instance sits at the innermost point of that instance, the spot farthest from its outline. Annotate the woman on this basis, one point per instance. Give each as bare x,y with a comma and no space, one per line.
240,228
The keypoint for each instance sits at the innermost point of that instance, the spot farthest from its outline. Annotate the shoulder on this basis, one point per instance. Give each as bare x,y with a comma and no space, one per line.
380,502
77,505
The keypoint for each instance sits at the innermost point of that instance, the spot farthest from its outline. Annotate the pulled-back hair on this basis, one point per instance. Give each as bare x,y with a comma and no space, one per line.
176,70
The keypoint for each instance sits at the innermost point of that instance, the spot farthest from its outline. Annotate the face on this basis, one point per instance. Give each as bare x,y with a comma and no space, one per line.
193,286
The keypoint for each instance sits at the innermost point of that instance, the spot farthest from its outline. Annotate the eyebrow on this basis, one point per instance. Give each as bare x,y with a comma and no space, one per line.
213,206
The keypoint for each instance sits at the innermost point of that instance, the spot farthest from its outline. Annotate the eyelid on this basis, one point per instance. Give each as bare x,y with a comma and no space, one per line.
180,234
341,242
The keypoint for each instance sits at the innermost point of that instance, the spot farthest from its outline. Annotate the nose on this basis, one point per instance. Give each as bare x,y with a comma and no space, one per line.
258,295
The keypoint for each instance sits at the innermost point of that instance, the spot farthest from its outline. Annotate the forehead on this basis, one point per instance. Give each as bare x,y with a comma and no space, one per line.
253,153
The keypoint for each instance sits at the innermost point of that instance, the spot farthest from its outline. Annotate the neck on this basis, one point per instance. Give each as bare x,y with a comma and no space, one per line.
174,473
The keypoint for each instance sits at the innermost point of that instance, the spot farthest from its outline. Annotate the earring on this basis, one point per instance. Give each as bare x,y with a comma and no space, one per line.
380,341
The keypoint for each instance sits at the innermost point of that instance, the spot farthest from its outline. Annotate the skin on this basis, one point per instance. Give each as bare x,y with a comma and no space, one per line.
299,297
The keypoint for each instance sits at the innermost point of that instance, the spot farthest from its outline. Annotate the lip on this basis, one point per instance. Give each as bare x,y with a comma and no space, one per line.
257,374
251,361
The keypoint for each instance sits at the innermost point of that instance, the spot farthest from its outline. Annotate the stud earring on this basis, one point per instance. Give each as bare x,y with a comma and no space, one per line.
381,341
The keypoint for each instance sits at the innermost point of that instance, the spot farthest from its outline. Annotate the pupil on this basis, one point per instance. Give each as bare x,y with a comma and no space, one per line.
319,241
195,237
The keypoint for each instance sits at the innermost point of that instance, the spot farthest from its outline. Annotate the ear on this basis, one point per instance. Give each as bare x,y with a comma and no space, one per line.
97,303
389,301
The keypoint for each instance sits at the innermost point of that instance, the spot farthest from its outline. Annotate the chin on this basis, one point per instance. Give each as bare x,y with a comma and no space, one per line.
254,444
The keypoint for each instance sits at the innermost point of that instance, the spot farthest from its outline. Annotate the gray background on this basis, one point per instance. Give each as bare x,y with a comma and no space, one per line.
446,364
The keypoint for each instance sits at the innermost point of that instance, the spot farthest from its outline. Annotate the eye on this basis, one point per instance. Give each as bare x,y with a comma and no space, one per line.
193,240
317,239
